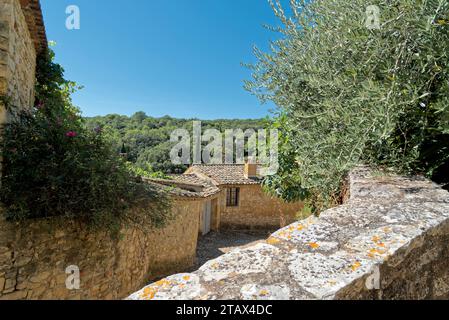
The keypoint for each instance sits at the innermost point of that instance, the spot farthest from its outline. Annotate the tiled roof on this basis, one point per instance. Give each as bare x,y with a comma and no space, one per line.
225,174
186,186
190,179
33,16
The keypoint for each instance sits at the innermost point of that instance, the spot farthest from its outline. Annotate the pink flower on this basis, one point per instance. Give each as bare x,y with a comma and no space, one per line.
71,134
39,105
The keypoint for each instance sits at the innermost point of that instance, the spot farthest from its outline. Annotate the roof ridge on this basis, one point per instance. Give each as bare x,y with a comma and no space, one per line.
223,164
225,174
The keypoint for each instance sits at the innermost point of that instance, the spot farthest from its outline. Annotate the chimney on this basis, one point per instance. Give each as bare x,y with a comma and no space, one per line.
251,168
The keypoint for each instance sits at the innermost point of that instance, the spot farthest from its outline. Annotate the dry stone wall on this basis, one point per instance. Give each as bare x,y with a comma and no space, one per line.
34,257
389,241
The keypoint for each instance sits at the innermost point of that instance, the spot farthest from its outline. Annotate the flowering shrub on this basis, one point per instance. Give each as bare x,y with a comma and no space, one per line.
54,166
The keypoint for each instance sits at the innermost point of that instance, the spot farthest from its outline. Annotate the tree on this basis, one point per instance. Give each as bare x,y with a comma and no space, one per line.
123,149
350,91
148,142
139,116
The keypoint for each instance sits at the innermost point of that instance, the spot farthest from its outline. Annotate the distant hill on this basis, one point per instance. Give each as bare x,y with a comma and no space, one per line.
147,139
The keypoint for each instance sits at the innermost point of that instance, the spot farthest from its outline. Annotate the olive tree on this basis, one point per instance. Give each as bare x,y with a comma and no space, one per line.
356,82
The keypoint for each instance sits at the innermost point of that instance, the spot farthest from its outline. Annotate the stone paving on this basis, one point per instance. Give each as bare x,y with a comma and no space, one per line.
216,244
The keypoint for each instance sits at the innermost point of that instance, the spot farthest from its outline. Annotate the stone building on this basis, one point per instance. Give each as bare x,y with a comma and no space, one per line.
241,202
191,188
22,39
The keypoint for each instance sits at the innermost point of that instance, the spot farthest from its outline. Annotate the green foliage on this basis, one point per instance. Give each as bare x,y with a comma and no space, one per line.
54,166
147,139
348,94
146,173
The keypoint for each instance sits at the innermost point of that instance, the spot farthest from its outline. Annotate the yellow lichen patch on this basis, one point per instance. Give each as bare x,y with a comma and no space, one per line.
300,227
375,251
147,290
264,293
378,241
186,278
162,283
273,241
215,266
283,234
149,293
313,245
332,282
356,266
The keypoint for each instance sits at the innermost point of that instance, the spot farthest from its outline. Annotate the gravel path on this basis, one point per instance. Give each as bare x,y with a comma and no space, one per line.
216,244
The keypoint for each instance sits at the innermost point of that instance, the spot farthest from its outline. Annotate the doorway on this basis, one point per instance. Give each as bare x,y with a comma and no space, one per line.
206,218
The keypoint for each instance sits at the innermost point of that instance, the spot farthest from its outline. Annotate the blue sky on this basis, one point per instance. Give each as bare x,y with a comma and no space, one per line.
179,58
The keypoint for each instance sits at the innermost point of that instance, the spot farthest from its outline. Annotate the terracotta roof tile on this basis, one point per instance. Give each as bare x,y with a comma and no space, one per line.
225,174
186,186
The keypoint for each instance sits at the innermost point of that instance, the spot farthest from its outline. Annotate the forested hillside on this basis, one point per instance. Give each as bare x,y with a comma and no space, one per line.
146,139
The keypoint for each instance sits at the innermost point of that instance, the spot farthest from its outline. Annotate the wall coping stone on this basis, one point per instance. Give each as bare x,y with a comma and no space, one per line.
385,218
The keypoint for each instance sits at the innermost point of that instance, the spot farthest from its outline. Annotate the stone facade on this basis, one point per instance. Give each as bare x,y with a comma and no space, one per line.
256,210
19,45
389,241
35,255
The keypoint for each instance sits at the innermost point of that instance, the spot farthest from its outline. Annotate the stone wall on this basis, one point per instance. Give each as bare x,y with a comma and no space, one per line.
257,210
17,57
34,257
389,241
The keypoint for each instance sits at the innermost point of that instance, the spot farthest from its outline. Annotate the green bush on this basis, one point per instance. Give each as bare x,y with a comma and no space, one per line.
348,94
54,166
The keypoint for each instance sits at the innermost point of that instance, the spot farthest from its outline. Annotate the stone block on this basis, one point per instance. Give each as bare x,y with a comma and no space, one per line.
10,285
17,295
3,86
22,261
40,277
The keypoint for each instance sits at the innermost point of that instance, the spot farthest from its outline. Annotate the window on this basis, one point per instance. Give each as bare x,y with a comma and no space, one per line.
232,197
